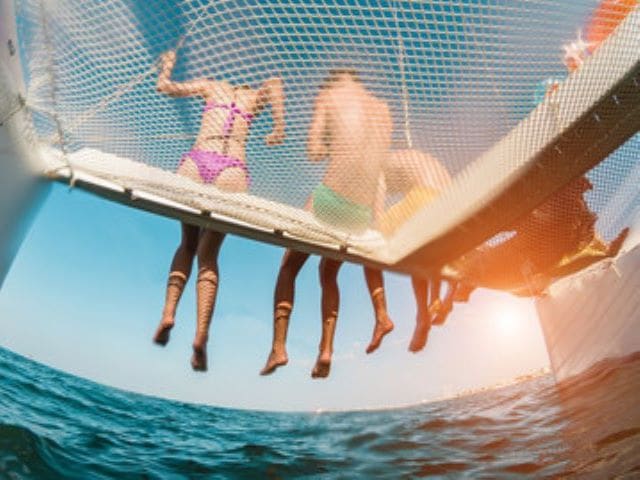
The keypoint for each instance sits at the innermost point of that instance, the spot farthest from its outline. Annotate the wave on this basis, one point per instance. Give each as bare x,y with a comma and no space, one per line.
53,425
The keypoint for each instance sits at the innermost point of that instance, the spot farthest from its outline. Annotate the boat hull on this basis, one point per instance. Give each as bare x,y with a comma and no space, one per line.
593,315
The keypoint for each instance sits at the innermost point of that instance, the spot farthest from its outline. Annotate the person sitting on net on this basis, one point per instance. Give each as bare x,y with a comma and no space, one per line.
418,178
217,158
556,239
350,128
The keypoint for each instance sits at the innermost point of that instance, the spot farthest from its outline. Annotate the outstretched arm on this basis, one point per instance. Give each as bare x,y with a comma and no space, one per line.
178,89
272,91
317,148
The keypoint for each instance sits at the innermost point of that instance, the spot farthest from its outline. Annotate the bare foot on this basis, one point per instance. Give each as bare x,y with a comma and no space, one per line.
161,336
383,327
274,361
199,358
322,367
421,333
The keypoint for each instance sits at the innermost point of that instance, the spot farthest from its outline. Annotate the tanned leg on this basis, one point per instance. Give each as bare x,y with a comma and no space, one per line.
384,325
423,319
292,262
178,276
330,304
440,314
435,303
206,290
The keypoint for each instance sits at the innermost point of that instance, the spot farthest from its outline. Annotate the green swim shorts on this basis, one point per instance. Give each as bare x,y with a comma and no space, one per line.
333,208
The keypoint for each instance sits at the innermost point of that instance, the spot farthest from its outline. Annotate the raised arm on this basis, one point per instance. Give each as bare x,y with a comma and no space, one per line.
272,92
317,139
178,89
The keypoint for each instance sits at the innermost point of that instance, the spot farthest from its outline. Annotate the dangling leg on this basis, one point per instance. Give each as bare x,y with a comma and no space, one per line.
384,325
423,319
292,262
206,290
178,276
443,308
330,304
435,285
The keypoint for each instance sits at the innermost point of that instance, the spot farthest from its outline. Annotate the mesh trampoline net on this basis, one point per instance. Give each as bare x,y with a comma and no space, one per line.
457,77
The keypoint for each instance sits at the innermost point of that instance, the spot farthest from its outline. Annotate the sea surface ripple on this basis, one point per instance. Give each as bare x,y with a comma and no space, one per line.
54,425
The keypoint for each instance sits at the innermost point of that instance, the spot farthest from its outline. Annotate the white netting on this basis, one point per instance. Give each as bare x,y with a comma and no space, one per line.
458,76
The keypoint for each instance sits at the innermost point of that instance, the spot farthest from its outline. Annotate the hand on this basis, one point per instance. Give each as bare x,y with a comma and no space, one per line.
275,138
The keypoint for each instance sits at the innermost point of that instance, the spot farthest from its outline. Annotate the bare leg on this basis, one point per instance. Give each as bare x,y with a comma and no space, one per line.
178,276
384,325
206,290
435,283
189,169
443,308
330,304
292,262
232,179
423,319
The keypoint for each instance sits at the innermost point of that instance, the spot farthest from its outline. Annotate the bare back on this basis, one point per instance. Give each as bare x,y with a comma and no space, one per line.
353,129
226,119
228,109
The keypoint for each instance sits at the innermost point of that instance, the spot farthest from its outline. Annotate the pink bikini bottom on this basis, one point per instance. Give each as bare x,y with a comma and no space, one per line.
211,164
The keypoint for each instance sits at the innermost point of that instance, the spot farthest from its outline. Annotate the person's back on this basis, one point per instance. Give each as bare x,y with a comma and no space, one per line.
353,129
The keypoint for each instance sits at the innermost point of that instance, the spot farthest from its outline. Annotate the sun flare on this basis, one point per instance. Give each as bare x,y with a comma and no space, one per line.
507,320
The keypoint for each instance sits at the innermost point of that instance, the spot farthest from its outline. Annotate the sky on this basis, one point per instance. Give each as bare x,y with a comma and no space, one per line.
85,293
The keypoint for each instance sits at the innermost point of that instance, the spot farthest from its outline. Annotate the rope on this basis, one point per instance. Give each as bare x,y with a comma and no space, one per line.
54,92
404,89
128,86
19,100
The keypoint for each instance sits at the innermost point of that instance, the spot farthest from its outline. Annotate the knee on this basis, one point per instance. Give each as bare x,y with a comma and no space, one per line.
208,275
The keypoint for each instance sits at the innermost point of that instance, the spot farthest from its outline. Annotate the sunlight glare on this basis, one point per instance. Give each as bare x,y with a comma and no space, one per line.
507,320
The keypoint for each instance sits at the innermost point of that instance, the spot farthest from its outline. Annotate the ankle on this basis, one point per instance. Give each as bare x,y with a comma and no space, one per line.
200,341
278,351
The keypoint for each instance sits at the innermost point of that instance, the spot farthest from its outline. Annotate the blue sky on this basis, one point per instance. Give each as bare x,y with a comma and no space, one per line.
86,291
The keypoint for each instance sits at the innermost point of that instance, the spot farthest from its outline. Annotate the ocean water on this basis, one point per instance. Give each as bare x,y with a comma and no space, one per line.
54,425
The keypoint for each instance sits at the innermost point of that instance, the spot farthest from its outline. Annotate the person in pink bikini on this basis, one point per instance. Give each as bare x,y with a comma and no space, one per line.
217,158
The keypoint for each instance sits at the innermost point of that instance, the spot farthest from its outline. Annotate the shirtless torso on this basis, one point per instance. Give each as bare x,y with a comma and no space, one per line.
352,128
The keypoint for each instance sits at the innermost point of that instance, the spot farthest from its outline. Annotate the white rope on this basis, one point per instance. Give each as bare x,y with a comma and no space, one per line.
18,104
128,86
54,93
404,89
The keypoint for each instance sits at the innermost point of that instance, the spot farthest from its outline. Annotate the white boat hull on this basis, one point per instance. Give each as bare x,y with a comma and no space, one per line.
593,315
20,186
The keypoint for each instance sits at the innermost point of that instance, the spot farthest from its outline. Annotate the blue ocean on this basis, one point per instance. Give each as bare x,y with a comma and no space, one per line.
54,425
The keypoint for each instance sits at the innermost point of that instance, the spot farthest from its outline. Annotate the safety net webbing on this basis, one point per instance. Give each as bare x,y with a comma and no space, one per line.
457,76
